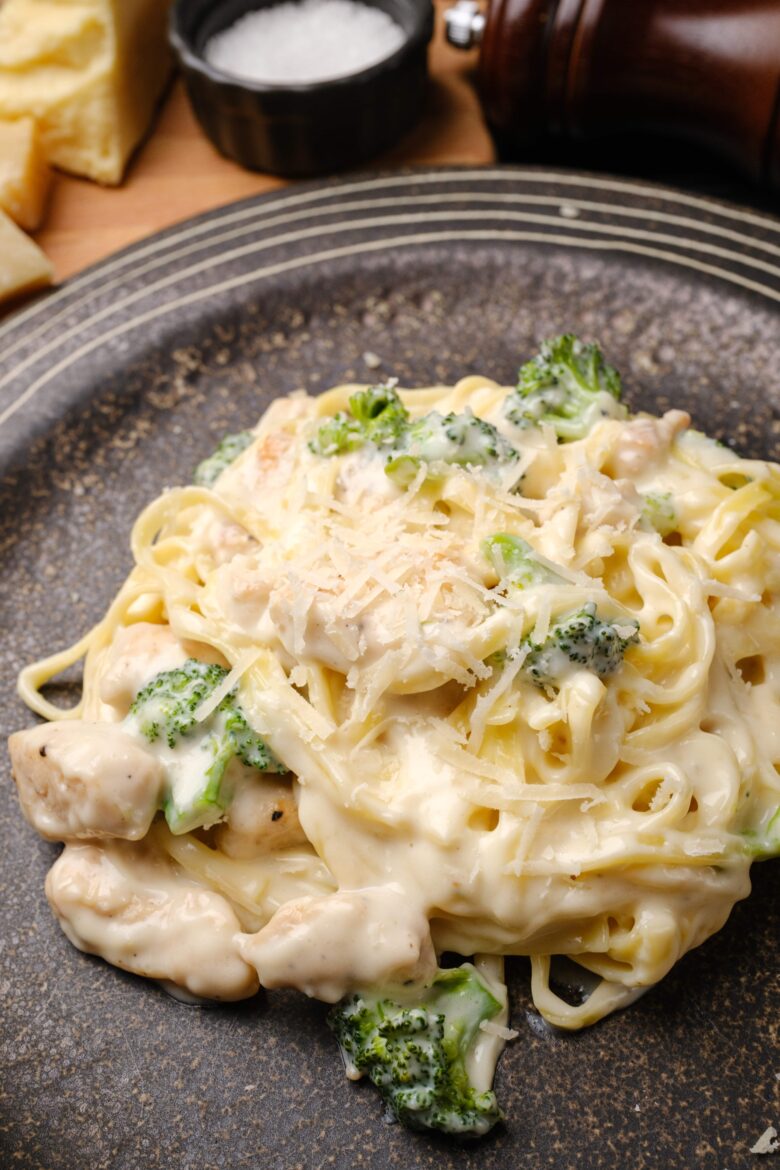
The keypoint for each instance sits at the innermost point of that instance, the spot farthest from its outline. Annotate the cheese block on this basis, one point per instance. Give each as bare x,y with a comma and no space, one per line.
23,266
89,71
24,173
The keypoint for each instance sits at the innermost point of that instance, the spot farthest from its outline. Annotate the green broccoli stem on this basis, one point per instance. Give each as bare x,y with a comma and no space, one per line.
516,563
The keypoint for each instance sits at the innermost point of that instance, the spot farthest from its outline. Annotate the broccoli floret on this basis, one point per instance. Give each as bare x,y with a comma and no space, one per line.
416,1054
207,472
381,413
659,512
568,385
164,711
461,440
581,640
516,563
376,416
166,706
338,435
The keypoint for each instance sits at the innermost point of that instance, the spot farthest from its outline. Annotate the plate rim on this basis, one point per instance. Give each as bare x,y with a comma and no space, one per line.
509,1149
563,226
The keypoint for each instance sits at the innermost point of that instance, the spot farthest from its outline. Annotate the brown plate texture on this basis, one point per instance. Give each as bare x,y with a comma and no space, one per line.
116,385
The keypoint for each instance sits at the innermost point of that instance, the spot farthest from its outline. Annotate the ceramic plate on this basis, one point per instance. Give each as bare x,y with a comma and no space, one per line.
116,385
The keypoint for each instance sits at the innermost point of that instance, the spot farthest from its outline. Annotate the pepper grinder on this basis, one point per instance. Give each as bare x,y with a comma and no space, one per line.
705,71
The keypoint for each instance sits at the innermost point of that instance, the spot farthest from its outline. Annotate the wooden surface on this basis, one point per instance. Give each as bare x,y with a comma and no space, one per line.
177,172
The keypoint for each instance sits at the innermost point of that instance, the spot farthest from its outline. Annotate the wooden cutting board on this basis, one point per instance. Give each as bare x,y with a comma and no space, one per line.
178,173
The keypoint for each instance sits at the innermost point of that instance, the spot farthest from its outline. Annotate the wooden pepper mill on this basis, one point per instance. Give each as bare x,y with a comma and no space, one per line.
706,71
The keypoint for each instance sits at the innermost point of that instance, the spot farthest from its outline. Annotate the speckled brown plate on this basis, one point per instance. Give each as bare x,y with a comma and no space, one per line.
116,385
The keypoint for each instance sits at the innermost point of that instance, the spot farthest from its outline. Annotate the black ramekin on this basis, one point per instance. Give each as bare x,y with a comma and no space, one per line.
303,130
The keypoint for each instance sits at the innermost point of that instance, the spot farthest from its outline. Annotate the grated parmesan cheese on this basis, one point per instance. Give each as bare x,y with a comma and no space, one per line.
768,1143
498,1030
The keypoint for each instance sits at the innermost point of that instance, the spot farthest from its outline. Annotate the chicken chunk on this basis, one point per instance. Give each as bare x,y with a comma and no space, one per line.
644,440
79,780
328,947
268,466
608,502
219,539
318,630
262,817
133,908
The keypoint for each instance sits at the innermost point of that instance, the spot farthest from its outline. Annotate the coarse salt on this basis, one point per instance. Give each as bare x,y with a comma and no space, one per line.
309,41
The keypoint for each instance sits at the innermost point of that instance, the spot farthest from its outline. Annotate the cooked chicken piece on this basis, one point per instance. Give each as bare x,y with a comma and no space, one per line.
328,947
263,473
240,590
645,440
80,780
605,501
313,627
262,817
219,539
130,905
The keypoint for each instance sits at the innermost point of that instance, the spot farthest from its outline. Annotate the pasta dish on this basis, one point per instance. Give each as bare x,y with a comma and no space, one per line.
411,674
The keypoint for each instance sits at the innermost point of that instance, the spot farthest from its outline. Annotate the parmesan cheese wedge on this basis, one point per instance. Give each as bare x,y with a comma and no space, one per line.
24,173
90,72
23,266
